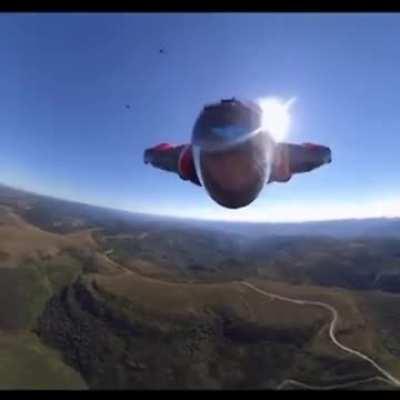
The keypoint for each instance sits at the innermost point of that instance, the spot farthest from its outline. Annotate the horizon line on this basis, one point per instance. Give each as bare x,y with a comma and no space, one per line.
192,218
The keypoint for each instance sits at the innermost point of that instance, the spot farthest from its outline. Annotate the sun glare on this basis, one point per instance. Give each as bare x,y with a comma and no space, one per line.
276,117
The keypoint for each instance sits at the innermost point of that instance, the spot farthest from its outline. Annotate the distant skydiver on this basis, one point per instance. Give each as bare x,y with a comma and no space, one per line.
232,156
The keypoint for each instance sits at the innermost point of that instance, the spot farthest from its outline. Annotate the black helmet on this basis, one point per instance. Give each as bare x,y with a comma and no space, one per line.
231,152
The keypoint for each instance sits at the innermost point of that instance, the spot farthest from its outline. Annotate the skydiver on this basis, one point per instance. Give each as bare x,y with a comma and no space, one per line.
232,156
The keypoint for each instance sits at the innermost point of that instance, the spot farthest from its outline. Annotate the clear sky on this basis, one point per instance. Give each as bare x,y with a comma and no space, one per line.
65,80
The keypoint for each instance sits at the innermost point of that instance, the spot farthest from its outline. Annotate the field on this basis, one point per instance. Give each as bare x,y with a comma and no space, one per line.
92,299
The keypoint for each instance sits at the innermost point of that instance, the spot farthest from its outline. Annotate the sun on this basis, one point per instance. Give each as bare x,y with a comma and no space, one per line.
276,117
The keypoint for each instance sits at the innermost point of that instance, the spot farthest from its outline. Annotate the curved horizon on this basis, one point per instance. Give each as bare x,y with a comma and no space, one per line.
206,216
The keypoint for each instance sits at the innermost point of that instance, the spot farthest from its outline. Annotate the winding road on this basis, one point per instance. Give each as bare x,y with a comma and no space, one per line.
335,316
390,379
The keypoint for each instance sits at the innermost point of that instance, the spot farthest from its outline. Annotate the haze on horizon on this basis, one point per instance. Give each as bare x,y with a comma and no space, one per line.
66,131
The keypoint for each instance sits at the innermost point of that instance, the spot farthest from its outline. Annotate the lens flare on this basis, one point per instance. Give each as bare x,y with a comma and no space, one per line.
276,117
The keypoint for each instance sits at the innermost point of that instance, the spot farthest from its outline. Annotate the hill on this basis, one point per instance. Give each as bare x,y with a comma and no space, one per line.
102,299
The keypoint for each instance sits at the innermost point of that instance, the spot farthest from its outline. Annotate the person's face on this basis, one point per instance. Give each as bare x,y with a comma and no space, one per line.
231,170
234,178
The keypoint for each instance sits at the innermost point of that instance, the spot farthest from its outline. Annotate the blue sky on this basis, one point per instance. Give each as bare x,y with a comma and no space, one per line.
65,80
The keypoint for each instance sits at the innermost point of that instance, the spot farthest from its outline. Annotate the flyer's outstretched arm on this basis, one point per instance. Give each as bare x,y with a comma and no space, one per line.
163,156
177,159
288,159
292,159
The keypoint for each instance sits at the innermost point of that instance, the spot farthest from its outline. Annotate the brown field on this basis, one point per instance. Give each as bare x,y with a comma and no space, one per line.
139,283
20,241
184,300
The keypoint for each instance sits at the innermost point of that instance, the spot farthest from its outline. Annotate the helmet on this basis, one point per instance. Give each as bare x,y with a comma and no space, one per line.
231,152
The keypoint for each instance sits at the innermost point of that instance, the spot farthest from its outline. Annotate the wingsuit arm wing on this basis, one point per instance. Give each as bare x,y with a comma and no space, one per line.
292,159
164,156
